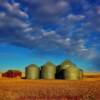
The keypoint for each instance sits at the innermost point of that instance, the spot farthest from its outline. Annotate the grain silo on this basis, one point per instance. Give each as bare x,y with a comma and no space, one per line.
32,72
48,71
72,73
66,64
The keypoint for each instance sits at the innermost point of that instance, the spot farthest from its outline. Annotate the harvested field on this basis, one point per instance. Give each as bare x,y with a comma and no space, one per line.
21,89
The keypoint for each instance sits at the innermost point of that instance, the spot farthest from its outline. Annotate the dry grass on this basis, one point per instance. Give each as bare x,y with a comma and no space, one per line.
21,89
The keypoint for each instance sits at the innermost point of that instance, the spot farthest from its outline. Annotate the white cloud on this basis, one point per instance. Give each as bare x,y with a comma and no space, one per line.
28,29
62,5
8,21
30,37
75,17
2,14
50,7
15,9
46,33
98,10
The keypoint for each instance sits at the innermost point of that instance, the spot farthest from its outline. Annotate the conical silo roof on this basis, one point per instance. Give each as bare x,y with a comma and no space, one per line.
32,65
66,64
49,64
49,67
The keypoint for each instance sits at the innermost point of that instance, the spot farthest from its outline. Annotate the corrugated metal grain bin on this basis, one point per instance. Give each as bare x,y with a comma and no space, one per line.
48,75
66,64
32,72
48,71
72,73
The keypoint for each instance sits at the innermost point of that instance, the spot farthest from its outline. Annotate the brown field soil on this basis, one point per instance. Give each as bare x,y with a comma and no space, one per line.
22,89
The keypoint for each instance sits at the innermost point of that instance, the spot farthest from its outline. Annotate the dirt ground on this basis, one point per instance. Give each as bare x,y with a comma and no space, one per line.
22,89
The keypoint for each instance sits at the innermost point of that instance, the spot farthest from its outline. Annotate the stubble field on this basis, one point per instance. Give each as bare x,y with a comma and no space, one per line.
22,89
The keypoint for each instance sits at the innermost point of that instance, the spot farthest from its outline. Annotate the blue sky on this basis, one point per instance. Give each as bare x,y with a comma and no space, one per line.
36,31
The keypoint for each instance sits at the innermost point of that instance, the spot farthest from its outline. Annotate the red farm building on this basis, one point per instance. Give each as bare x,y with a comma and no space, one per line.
12,74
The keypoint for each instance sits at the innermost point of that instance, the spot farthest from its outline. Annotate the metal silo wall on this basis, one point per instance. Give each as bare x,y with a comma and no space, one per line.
48,72
71,74
32,73
48,75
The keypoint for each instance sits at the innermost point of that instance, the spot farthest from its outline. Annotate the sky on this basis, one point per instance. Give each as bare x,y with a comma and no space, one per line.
37,31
